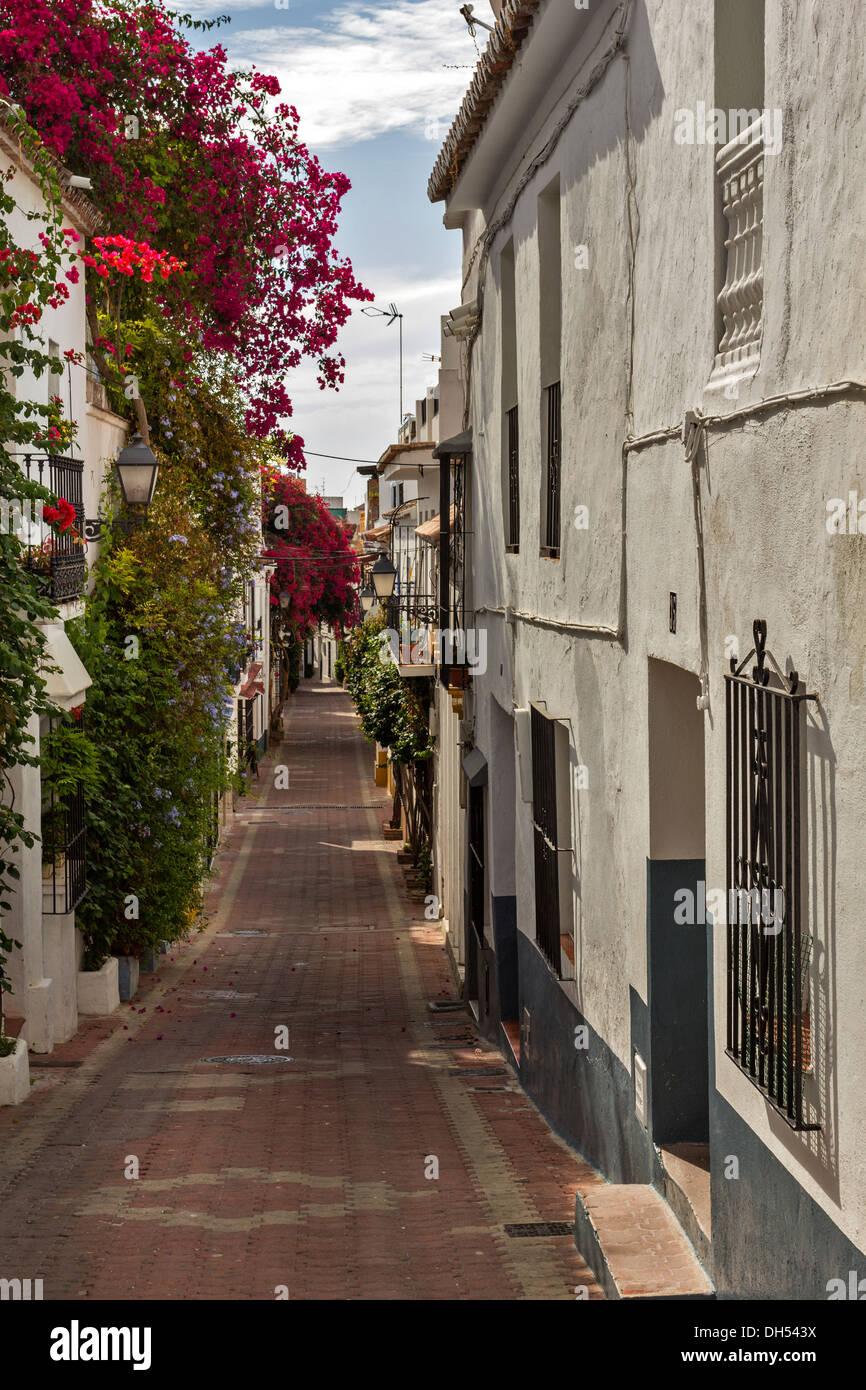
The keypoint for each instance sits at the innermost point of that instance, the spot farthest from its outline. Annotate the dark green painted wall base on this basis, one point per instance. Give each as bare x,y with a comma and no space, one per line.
586,1094
770,1239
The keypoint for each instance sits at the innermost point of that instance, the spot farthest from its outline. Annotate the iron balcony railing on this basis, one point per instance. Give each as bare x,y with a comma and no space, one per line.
768,951
411,619
411,609
57,559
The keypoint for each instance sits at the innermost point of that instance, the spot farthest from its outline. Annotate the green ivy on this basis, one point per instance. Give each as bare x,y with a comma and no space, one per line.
160,639
391,711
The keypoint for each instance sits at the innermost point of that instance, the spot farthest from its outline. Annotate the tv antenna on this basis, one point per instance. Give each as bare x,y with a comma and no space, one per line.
469,15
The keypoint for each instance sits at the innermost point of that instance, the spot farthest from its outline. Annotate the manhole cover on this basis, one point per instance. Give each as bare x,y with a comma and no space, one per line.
540,1228
250,1060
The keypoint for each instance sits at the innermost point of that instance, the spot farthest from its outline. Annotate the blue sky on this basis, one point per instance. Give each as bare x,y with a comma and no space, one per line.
376,86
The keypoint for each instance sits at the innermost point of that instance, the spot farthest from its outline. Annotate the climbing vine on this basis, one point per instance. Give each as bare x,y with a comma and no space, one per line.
161,639
391,713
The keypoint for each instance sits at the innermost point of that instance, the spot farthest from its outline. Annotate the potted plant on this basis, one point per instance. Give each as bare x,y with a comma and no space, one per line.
128,968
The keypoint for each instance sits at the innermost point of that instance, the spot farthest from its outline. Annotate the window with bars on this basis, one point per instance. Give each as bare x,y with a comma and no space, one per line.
513,447
551,832
246,740
552,480
768,947
476,861
64,846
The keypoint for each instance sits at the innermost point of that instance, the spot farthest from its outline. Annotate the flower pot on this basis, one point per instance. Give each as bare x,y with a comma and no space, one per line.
15,1075
149,961
127,977
98,992
392,832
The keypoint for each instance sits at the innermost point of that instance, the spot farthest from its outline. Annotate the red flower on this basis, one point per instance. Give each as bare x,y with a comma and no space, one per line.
63,514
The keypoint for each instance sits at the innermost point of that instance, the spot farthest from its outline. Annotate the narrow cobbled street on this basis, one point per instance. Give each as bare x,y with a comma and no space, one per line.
305,1175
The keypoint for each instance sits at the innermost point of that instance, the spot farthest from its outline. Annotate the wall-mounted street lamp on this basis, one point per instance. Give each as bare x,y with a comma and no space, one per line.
368,598
384,577
285,598
138,471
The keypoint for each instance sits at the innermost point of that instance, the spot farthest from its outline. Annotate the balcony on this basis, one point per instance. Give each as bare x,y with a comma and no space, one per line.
740,171
411,619
57,559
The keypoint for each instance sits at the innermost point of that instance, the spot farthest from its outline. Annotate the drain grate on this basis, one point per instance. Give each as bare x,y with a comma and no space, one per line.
251,1059
252,931
477,1071
540,1228
205,994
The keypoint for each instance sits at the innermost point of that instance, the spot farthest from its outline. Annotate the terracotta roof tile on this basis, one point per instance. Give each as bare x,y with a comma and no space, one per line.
512,26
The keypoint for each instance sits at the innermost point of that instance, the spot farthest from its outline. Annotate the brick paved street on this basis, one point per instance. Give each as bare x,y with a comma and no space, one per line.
309,1172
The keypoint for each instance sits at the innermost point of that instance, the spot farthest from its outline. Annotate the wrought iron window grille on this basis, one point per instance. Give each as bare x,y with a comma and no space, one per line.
553,479
544,835
768,1017
513,419
452,550
64,849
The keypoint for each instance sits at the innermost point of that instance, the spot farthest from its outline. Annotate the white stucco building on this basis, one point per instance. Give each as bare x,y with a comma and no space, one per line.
662,252
44,1004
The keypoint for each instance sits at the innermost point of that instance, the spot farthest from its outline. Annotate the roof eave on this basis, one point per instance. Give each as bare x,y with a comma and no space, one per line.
512,26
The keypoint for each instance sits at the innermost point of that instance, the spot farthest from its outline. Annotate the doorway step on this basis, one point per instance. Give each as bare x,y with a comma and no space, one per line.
634,1245
684,1182
511,1036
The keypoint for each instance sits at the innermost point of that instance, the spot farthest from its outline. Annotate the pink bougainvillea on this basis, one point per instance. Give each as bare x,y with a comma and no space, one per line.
314,561
204,162
121,254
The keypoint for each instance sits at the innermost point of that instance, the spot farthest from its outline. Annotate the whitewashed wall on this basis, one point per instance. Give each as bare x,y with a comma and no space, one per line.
764,493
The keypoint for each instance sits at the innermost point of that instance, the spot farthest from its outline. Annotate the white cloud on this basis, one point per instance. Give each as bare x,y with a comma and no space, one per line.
211,9
365,70
361,419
